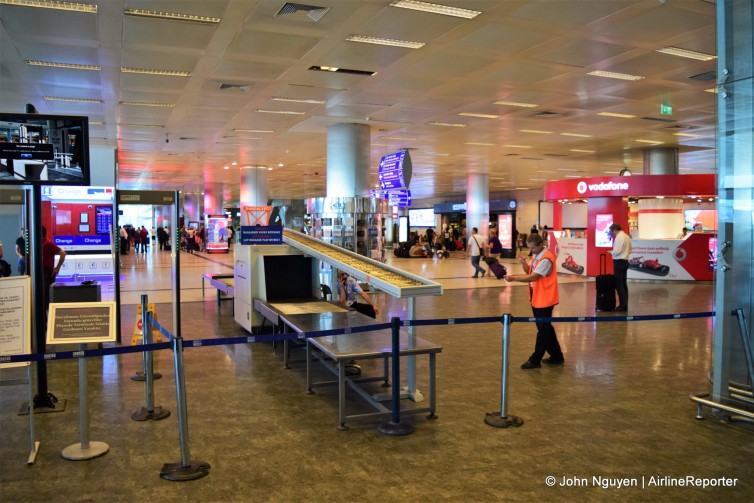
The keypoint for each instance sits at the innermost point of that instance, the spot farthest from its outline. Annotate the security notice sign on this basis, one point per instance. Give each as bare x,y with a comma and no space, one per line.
15,319
81,322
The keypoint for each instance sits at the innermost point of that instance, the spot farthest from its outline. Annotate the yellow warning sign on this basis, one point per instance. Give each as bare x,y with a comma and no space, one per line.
137,338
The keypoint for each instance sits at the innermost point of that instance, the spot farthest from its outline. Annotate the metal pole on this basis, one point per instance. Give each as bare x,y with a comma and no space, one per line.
395,427
185,470
747,344
502,419
150,411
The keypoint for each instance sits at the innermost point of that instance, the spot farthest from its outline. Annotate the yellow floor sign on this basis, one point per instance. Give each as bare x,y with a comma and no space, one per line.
156,335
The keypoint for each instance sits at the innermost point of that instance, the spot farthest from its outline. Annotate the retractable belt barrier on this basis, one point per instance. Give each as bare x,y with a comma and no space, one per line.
497,419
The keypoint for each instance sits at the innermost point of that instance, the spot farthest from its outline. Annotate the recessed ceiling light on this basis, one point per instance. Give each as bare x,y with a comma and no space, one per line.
651,142
582,151
713,90
298,100
481,116
76,100
612,114
536,131
341,70
141,125
55,64
173,16
269,169
517,146
685,53
567,169
280,165
398,138
687,135
147,104
226,167
96,123
53,4
538,179
479,143
578,135
515,104
573,176
234,163
615,75
148,71
436,8
447,124
282,112
253,131
385,41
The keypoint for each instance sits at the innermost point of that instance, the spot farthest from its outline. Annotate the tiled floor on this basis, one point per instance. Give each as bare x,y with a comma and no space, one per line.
618,408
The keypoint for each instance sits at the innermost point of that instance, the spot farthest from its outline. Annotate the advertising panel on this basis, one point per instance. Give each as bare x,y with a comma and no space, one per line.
217,233
571,253
672,259
602,237
505,230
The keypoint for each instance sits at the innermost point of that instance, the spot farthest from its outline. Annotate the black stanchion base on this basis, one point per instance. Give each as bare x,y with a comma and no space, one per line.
176,472
496,420
432,416
395,429
143,414
44,405
139,376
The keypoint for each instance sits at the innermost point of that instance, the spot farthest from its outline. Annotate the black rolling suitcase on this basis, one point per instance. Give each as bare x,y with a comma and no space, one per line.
497,269
605,287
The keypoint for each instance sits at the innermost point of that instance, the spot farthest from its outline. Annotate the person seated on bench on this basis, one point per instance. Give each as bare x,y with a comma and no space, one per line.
348,288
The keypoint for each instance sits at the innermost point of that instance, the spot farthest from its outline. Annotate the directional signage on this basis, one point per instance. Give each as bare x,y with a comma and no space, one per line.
400,198
395,170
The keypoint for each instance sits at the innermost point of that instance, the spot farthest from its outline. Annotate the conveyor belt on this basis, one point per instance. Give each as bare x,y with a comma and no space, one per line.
397,283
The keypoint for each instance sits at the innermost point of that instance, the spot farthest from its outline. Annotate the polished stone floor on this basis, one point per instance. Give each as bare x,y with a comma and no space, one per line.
618,408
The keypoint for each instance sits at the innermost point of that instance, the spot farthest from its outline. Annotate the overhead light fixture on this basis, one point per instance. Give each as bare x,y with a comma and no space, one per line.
535,131
52,4
651,142
147,104
234,163
141,125
226,167
173,16
253,131
515,104
337,69
613,114
269,169
517,146
573,176
685,53
582,151
55,64
481,116
713,90
567,169
577,135
148,71
282,112
397,138
385,41
686,135
480,143
298,100
436,8
615,75
446,124
96,123
75,100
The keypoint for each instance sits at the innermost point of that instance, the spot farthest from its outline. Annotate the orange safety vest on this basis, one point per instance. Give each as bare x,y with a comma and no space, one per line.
544,291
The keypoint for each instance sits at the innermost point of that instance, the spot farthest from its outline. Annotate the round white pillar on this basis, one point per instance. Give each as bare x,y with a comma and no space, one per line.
477,203
348,148
661,161
253,186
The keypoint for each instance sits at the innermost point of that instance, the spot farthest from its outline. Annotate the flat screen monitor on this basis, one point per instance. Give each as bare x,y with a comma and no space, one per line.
707,219
424,217
395,170
288,277
38,149
505,230
602,236
403,229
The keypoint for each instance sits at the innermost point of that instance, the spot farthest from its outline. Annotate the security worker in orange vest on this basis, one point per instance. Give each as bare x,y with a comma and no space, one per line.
543,292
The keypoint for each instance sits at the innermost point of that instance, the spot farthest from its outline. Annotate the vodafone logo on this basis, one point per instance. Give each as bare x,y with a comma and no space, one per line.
582,187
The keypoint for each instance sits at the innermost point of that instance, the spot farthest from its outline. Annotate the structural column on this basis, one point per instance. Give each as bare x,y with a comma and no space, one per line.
661,161
660,218
477,203
253,186
348,147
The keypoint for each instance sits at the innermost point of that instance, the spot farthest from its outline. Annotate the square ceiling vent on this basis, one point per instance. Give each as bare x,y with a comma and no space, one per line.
302,12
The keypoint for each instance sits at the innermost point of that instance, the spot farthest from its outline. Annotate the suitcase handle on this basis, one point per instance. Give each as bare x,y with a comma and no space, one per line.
603,263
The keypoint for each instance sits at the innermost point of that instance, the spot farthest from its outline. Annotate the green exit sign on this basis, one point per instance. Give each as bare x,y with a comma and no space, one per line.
666,110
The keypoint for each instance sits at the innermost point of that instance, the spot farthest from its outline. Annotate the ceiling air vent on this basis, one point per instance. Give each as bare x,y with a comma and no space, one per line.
234,87
657,119
547,115
302,12
705,77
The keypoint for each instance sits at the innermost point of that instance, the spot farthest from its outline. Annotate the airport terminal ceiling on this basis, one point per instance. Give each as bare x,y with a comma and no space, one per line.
186,88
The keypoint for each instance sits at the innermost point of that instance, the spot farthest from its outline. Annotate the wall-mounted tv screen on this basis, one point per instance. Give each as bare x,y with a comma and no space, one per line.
44,149
424,217
395,170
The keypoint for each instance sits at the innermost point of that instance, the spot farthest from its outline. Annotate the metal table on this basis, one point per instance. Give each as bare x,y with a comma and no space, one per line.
335,351
224,285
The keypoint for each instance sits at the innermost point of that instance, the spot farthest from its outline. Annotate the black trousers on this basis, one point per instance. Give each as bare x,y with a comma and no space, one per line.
620,271
547,339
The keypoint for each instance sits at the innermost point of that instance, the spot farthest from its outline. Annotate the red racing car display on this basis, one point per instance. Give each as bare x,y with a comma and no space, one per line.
648,266
572,266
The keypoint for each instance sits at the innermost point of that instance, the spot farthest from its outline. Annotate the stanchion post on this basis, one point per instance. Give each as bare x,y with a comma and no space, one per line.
142,376
502,419
185,470
150,411
395,426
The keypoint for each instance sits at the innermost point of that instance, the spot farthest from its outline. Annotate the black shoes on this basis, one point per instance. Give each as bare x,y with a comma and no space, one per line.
553,361
528,364
483,273
621,308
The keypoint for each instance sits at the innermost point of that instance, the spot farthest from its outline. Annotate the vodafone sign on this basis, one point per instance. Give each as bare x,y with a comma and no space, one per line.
636,186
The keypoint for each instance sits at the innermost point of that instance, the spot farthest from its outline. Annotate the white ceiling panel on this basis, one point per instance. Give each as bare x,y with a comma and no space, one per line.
142,33
572,15
251,44
502,39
